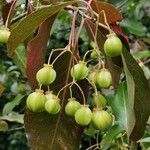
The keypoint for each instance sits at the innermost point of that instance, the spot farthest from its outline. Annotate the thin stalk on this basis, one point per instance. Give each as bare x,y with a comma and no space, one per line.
84,101
64,88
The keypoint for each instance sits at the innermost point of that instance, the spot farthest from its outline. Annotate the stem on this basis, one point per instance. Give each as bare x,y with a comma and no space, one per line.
40,87
70,90
79,31
53,50
84,57
84,101
59,56
93,85
9,14
73,28
48,88
93,19
105,20
64,88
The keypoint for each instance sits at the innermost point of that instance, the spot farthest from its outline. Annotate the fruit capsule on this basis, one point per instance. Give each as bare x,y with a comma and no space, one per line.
79,71
52,105
101,119
36,101
113,45
98,100
72,106
46,75
103,79
83,115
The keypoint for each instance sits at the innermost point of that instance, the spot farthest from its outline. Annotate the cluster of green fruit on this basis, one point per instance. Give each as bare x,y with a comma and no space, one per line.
101,78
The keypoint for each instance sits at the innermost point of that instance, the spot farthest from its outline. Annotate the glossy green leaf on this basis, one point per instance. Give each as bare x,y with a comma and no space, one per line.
31,23
138,94
122,108
11,105
112,133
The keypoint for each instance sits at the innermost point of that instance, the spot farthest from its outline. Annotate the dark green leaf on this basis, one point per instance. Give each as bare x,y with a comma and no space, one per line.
30,23
11,105
122,108
138,94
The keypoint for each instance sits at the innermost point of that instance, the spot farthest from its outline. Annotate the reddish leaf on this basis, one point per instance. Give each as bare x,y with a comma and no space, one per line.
36,51
8,9
112,14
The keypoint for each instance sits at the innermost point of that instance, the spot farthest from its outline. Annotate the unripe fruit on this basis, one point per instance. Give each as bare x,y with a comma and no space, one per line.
113,45
72,106
95,54
99,100
92,76
101,119
49,95
46,75
4,35
52,106
36,101
103,78
79,71
83,115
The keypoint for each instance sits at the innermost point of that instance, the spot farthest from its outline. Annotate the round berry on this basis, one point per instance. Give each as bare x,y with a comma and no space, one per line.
46,75
103,78
101,119
52,106
83,115
95,54
49,95
36,101
4,35
79,71
99,100
72,106
113,45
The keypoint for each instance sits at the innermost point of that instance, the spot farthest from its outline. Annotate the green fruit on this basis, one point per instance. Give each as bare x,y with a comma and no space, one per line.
99,100
49,95
103,79
113,45
52,106
46,75
83,115
79,71
36,101
95,54
101,119
72,106
92,76
4,35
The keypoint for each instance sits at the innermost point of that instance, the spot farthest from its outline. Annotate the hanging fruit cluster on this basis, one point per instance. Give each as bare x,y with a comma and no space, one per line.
97,75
